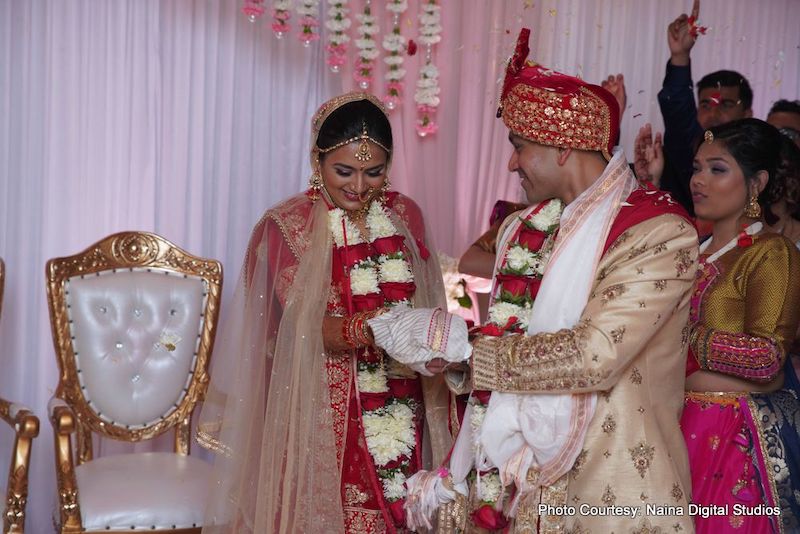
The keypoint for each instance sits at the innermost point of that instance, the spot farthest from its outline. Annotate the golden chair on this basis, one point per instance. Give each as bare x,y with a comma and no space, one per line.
133,320
26,425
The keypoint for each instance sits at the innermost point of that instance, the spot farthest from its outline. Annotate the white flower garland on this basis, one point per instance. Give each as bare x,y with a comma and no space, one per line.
308,10
367,47
523,262
338,23
427,93
395,45
389,431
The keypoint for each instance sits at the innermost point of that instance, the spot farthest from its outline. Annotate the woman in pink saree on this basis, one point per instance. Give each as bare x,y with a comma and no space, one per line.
741,412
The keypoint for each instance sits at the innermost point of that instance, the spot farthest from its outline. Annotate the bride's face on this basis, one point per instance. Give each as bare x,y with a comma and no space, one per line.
351,182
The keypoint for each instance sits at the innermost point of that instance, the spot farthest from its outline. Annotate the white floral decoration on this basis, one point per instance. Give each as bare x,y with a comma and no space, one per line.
428,86
490,488
548,216
500,312
364,279
394,270
372,380
379,223
335,218
521,259
338,22
389,432
394,486
430,31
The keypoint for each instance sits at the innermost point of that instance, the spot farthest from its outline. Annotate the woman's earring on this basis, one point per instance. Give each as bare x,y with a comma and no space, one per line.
752,209
386,185
315,185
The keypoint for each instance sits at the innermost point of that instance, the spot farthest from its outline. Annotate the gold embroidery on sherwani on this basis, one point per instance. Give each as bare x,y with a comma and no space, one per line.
452,517
651,350
542,362
612,292
642,454
528,516
683,262
619,241
645,527
617,333
609,425
636,376
580,461
658,249
643,496
661,285
637,251
677,492
604,272
608,497
577,528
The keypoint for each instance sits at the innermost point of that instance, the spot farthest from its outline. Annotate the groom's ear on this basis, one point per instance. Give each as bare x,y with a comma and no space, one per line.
563,155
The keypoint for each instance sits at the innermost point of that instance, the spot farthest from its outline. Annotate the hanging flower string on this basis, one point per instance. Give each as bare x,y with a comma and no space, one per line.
367,48
427,94
395,45
280,17
253,9
338,23
308,11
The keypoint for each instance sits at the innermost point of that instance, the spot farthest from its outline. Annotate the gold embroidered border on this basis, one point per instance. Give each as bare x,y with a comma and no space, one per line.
542,362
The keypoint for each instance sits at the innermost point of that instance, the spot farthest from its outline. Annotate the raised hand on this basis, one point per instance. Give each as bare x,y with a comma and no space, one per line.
648,156
680,36
616,86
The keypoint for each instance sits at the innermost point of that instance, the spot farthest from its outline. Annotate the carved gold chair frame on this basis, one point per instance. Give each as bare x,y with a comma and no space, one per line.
26,427
70,412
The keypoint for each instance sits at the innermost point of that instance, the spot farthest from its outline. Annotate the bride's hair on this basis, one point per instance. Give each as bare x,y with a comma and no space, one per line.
348,121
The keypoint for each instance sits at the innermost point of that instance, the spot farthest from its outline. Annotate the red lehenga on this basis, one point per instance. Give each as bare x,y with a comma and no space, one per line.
287,421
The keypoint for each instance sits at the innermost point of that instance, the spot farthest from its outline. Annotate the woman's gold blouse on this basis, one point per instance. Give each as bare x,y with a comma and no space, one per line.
746,308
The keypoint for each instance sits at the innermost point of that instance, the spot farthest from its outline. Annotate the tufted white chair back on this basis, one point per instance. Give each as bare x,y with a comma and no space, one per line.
133,320
135,335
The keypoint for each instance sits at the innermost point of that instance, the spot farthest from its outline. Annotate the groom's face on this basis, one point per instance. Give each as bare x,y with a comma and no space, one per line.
537,167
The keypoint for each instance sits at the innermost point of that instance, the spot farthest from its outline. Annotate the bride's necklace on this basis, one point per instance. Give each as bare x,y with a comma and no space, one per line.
750,230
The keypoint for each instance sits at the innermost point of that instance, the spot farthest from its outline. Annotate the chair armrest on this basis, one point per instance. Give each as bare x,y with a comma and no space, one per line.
64,424
26,427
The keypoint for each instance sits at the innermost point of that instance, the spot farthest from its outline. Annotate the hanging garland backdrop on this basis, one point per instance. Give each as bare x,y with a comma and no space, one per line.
395,44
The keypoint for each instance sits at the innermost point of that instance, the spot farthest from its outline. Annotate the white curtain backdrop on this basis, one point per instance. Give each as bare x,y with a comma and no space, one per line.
182,118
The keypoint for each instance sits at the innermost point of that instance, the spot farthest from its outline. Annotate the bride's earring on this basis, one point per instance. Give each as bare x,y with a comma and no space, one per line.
315,185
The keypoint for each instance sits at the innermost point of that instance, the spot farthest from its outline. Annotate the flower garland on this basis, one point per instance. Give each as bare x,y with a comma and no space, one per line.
395,45
281,12
253,9
308,11
338,23
367,48
522,269
380,275
427,94
518,283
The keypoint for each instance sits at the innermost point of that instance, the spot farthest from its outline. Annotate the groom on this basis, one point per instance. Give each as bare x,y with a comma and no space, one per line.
602,360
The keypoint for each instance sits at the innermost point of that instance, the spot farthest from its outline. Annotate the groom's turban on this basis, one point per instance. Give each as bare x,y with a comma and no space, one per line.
554,109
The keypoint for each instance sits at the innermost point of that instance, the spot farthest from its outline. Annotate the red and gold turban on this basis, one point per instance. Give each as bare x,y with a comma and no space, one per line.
554,109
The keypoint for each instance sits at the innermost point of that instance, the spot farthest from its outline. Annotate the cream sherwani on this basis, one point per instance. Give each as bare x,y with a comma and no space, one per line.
629,347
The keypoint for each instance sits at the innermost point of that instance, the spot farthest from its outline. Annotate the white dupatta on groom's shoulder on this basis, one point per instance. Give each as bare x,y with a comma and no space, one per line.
545,432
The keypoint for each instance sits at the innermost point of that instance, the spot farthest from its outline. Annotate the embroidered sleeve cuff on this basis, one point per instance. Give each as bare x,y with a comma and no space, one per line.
544,362
483,363
738,354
